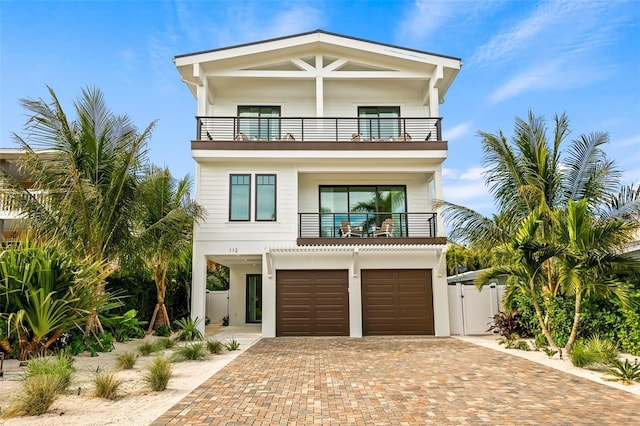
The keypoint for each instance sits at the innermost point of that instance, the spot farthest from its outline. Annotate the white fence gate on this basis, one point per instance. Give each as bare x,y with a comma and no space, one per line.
217,305
471,310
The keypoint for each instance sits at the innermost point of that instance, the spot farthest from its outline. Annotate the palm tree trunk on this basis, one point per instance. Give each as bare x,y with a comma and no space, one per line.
541,319
576,320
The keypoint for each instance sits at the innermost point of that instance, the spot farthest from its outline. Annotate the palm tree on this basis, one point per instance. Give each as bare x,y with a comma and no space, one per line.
89,169
522,261
165,230
591,261
529,176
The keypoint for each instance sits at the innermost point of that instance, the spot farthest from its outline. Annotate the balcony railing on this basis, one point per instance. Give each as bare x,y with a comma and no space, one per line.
10,205
364,225
315,129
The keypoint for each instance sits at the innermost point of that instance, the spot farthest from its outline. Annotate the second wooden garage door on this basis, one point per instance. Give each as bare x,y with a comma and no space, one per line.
312,303
397,301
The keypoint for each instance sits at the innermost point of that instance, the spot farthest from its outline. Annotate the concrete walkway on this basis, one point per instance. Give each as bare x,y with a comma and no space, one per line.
395,380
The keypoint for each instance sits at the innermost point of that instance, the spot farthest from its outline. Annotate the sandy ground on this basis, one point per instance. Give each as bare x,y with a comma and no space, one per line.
139,406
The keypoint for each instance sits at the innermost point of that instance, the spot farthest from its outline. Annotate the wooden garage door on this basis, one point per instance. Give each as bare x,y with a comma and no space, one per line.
312,303
397,301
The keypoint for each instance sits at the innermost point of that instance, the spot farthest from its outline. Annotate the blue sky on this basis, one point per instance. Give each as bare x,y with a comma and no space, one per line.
578,57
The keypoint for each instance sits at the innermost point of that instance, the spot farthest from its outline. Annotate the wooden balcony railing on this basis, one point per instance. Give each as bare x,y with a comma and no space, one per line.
367,225
315,129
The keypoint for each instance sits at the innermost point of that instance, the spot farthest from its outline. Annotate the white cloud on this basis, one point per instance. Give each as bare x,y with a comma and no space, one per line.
633,140
561,74
474,173
457,131
423,19
462,193
449,173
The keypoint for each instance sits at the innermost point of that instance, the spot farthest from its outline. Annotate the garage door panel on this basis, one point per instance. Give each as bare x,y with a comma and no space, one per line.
397,301
312,303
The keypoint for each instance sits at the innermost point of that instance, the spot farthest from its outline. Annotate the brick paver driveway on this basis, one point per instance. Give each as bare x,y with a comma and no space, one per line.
395,380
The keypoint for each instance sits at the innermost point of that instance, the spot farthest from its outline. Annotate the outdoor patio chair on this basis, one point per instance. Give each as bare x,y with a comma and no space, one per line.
346,230
385,230
241,137
288,138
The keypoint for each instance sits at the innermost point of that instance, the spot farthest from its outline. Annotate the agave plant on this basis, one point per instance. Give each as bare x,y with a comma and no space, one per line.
625,373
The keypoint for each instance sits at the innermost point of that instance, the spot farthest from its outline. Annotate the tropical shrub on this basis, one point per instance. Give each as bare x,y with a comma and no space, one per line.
624,372
188,329
232,345
594,352
125,326
163,331
507,324
44,294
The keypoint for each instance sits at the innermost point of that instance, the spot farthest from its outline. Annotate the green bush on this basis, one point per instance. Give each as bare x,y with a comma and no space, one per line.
595,352
124,327
163,331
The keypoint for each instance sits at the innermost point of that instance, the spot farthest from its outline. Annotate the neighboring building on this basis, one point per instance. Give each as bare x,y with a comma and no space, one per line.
11,225
318,160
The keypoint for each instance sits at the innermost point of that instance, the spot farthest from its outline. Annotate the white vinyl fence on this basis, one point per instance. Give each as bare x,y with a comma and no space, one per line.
471,310
217,305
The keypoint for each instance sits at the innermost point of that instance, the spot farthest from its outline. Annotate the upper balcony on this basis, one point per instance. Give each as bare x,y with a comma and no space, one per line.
319,133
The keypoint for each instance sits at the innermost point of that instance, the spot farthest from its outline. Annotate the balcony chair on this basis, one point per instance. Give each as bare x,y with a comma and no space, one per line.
347,231
385,229
288,138
241,137
404,137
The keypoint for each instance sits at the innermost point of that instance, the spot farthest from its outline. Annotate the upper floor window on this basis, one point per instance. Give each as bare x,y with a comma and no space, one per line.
240,197
254,122
266,197
379,122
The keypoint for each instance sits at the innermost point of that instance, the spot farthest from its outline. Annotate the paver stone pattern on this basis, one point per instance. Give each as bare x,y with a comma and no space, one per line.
395,381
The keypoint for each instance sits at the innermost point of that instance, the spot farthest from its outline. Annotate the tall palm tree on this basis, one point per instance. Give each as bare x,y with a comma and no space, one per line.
529,175
165,230
89,169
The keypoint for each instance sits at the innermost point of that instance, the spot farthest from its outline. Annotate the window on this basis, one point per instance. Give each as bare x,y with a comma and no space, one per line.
239,199
254,125
378,122
361,205
266,197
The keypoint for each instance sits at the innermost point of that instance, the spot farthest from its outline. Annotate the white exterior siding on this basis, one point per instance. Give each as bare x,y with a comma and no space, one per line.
315,74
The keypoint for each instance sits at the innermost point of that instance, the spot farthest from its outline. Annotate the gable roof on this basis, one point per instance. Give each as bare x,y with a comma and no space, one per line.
320,33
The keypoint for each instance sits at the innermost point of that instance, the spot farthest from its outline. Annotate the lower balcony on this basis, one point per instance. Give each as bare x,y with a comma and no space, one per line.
367,228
